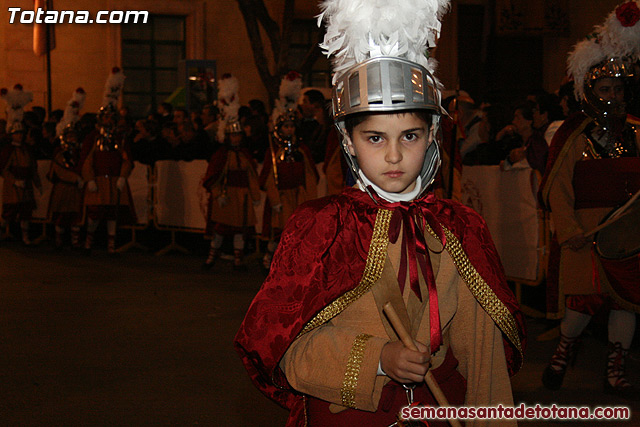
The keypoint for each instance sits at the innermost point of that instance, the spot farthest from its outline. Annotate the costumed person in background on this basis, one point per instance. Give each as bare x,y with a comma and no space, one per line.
288,174
447,183
593,167
315,338
231,180
20,173
17,163
335,166
315,124
65,202
106,165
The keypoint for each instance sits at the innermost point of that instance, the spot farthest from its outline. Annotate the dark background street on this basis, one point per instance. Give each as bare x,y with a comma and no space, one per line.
146,340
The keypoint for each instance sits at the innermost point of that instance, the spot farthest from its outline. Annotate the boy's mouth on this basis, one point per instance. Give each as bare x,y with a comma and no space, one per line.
393,174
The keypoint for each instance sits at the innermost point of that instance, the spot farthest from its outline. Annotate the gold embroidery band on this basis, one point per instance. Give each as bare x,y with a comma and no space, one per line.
481,291
350,382
372,272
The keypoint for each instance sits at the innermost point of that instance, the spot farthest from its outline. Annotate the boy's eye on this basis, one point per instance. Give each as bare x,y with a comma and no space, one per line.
375,139
410,137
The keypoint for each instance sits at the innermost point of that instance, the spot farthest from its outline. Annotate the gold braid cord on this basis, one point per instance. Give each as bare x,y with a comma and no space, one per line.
372,273
350,381
482,292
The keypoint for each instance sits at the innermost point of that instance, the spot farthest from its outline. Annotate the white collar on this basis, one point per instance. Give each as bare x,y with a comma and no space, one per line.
390,197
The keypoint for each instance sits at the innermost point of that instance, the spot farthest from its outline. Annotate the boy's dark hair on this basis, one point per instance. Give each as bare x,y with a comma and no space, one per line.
350,122
315,97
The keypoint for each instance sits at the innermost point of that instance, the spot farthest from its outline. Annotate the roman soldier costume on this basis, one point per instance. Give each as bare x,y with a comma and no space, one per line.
593,167
232,182
313,336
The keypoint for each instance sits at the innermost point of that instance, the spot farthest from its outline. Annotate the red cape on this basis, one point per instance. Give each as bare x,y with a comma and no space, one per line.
323,255
267,165
219,160
566,133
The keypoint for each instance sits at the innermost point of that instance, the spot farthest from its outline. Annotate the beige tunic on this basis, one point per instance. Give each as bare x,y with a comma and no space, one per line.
575,265
316,362
66,195
20,158
237,208
289,199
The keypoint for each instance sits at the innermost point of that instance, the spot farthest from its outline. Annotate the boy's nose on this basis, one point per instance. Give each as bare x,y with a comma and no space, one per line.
393,154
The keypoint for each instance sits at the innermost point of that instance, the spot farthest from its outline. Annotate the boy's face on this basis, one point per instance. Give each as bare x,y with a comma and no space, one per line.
235,139
390,149
288,129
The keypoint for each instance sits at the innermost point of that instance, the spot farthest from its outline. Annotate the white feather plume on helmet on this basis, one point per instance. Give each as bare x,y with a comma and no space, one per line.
361,29
229,103
290,89
620,33
113,88
585,55
617,38
72,110
16,99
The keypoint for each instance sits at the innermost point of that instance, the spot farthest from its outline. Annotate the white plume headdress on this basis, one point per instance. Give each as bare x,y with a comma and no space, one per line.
113,88
361,29
16,99
585,55
72,110
618,37
228,102
290,88
620,33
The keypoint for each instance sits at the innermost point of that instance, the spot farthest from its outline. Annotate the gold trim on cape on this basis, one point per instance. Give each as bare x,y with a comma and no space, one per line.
372,273
350,382
481,291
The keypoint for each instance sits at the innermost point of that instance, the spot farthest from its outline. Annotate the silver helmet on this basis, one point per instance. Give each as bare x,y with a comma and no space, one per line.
389,84
608,114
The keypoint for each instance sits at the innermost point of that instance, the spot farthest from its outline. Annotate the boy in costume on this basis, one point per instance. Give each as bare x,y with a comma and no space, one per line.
315,339
106,165
65,202
19,171
232,182
594,166
288,175
18,166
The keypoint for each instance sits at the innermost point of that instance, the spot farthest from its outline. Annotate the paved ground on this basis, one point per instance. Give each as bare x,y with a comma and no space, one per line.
146,340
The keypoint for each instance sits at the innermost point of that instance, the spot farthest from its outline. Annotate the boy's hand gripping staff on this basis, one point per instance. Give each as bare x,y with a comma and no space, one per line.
406,339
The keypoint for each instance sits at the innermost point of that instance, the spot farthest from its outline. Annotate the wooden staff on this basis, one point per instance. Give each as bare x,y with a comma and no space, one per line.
406,339
619,213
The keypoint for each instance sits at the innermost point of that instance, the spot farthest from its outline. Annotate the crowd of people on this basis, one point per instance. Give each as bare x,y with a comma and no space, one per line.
91,146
